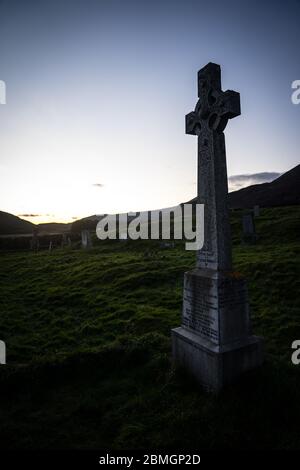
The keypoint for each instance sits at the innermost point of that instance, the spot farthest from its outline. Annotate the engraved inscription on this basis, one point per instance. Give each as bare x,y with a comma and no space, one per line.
200,312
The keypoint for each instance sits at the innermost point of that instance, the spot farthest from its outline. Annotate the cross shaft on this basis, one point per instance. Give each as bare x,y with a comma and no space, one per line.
212,112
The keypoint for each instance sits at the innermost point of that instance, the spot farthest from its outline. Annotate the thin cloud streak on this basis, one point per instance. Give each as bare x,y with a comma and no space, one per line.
237,182
29,215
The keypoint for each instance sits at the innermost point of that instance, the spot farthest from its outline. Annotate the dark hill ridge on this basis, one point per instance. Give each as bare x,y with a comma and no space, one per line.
53,227
284,191
87,223
11,224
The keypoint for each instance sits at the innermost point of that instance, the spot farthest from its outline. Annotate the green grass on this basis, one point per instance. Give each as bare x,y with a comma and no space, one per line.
89,351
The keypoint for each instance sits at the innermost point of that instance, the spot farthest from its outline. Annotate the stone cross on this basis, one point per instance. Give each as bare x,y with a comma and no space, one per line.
214,341
213,110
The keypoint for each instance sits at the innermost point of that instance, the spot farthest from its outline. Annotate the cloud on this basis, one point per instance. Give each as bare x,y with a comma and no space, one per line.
29,215
98,185
237,182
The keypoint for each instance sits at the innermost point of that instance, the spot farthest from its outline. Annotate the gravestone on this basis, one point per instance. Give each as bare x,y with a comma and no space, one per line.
2,352
64,240
214,341
86,240
249,233
35,243
256,211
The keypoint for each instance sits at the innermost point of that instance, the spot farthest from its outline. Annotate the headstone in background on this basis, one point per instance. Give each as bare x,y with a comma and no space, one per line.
256,211
2,352
249,233
86,240
64,240
35,243
214,341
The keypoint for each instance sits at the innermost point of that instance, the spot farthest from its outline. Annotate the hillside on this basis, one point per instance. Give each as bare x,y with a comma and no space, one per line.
53,227
11,224
89,349
284,191
88,223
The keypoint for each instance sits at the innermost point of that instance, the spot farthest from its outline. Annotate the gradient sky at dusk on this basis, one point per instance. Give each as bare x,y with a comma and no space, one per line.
97,92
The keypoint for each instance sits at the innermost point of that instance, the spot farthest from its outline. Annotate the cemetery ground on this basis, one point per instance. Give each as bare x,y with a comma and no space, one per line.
89,348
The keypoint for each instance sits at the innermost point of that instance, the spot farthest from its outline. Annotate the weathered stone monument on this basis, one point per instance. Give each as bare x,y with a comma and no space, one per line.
249,232
86,240
256,210
64,241
2,352
214,342
35,243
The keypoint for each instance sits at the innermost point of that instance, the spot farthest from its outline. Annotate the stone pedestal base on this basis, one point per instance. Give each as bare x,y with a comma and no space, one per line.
212,365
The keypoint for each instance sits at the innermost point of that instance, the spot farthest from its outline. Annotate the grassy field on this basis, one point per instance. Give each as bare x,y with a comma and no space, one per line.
89,350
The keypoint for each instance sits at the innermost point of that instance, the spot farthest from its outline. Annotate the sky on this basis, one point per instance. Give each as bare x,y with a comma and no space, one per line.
97,92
